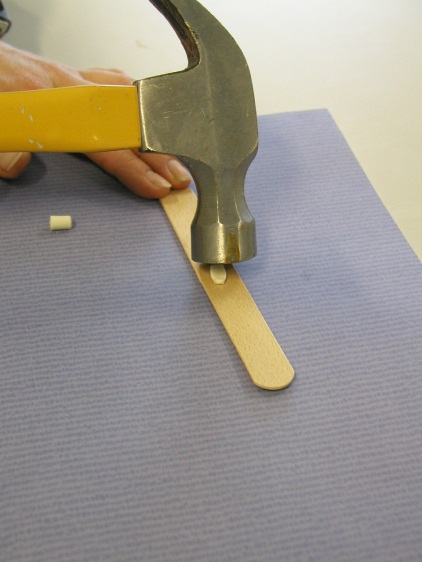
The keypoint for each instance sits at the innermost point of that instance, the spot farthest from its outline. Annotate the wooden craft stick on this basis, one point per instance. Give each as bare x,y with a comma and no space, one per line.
260,352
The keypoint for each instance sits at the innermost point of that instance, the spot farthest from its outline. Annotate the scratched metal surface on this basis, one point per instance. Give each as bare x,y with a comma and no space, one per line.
129,429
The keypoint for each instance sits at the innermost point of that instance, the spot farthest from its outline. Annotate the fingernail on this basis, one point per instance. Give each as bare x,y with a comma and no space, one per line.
157,180
9,159
178,171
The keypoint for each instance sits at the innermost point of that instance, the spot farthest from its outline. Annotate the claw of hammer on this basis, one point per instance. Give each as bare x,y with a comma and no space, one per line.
206,116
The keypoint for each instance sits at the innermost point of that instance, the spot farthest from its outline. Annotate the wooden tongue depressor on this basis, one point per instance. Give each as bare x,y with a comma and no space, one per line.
260,352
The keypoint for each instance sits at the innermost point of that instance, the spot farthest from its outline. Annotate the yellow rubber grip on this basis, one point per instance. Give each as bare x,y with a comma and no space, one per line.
73,119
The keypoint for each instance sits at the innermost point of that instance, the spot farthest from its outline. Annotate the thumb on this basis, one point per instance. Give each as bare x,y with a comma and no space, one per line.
12,164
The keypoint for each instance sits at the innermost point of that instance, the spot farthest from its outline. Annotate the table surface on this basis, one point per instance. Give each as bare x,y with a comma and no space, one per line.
360,59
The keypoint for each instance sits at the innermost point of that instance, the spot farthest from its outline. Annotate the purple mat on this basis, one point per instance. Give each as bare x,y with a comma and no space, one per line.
129,428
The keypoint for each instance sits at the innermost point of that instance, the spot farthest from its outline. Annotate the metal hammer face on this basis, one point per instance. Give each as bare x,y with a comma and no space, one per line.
206,116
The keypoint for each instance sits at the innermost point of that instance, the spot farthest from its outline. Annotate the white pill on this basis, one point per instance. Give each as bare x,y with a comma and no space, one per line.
60,222
218,273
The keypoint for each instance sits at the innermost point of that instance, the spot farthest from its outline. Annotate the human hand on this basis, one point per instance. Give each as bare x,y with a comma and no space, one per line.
149,175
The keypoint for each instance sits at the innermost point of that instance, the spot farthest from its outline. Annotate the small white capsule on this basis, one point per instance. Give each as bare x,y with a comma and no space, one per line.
60,222
218,273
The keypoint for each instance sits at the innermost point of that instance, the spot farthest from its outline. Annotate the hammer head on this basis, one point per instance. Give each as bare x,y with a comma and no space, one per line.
206,116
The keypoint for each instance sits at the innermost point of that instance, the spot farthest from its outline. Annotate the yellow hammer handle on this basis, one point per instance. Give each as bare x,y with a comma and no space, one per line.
73,119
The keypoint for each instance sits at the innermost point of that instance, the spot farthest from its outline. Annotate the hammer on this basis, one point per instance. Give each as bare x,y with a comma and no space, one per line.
205,115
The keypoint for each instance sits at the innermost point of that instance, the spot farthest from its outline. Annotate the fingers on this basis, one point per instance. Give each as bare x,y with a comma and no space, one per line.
148,175
110,76
142,176
169,168
12,164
